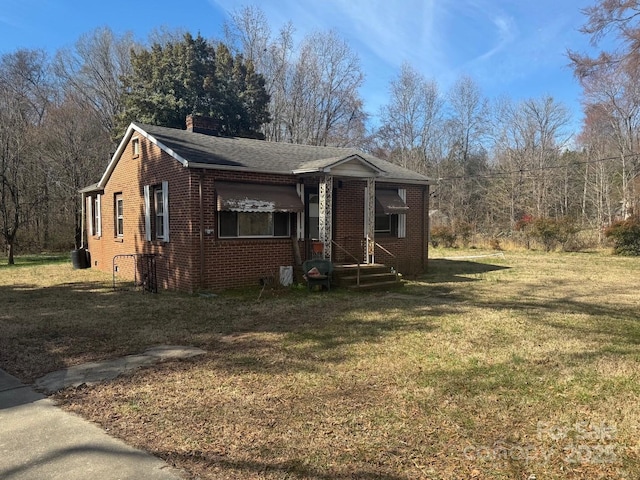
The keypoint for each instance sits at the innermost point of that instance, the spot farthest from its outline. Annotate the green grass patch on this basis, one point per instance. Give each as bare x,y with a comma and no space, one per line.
35,260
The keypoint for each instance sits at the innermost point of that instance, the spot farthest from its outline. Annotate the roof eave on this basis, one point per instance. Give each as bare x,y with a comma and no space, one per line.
408,181
236,168
134,128
91,189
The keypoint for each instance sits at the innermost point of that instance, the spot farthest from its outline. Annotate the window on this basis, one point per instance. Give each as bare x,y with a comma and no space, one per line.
383,222
390,214
96,223
156,212
314,216
135,147
159,212
119,211
256,211
254,224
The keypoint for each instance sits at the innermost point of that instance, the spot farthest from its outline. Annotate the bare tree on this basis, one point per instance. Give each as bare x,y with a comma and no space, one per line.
466,160
313,87
508,191
599,196
611,84
468,117
412,120
532,174
93,70
606,19
324,90
76,150
544,129
24,98
249,33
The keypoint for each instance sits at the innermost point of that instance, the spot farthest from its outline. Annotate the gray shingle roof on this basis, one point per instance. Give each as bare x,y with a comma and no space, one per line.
264,156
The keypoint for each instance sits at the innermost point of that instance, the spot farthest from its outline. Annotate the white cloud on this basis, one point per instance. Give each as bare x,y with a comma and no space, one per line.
499,43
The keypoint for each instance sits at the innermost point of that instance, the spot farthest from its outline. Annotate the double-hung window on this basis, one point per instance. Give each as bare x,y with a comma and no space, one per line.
94,221
390,214
119,215
97,223
156,212
158,197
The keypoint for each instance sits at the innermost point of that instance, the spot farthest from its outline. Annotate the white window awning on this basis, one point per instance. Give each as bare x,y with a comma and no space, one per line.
249,197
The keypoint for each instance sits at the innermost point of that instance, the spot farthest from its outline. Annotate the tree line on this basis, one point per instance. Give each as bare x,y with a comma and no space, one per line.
504,168
497,163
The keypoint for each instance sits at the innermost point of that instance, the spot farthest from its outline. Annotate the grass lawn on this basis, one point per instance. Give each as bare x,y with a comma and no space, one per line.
522,367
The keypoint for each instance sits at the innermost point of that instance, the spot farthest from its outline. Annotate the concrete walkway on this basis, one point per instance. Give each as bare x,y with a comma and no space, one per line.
40,441
90,373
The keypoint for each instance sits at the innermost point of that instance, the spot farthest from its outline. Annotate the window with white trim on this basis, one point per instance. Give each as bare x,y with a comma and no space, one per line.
96,224
389,220
385,223
135,147
159,212
156,212
119,215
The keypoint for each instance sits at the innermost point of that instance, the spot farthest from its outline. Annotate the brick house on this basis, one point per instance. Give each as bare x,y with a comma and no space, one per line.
222,212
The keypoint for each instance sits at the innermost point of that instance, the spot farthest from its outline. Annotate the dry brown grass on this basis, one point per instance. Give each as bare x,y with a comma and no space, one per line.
507,368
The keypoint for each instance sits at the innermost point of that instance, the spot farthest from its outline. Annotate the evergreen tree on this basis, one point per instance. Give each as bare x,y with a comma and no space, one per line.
172,80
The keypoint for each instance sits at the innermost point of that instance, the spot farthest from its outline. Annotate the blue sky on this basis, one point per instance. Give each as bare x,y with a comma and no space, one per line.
514,48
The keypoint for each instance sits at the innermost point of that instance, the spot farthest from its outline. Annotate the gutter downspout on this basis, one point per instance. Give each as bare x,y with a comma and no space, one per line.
201,204
82,225
426,230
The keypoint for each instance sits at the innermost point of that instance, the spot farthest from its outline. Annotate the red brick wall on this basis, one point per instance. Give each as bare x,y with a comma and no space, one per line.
228,262
410,252
241,262
348,227
174,264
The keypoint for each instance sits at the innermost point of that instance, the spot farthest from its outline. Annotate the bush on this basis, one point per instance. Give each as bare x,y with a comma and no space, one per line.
626,237
553,231
463,231
443,235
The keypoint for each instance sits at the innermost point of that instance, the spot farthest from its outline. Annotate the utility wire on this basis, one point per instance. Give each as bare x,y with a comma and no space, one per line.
538,169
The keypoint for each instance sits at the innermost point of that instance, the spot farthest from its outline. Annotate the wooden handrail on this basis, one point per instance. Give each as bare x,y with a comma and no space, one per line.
384,249
333,242
395,269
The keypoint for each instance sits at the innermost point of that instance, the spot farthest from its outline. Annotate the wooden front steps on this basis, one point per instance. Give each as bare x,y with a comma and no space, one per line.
372,277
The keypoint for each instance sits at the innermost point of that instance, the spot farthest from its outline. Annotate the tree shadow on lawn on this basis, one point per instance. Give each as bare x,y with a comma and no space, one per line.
311,341
446,271
49,328
294,468
610,320
44,327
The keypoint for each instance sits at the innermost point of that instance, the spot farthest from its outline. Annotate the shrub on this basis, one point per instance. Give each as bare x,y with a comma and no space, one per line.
553,231
494,243
443,235
626,237
463,231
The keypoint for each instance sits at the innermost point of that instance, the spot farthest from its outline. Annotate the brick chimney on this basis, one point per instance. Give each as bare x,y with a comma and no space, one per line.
203,124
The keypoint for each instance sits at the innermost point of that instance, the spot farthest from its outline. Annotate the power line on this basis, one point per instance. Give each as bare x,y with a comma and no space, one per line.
522,171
